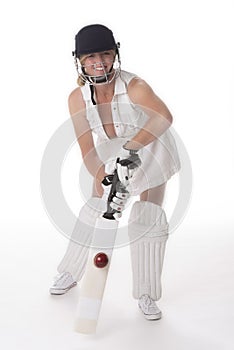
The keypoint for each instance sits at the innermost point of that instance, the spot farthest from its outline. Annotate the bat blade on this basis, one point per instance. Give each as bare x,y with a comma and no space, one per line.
94,280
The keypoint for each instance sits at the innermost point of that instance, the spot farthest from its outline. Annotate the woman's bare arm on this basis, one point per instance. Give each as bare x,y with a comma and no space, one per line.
84,136
160,118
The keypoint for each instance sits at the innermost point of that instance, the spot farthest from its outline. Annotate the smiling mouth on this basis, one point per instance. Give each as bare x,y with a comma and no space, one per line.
100,69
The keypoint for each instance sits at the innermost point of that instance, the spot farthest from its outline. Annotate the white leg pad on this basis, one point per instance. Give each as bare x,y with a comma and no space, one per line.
75,258
148,233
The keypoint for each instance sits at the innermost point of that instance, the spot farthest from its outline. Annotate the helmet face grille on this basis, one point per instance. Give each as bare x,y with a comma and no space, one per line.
94,38
107,78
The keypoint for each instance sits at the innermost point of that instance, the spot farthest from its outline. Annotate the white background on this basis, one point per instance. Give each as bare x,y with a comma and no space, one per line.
184,49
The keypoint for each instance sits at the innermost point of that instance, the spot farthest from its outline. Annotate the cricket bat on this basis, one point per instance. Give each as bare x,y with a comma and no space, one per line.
100,252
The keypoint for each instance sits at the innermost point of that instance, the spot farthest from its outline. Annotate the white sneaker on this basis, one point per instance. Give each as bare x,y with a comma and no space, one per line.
149,308
62,283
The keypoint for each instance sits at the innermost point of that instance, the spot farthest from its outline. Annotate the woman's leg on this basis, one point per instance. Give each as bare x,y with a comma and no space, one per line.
148,233
75,258
97,188
154,195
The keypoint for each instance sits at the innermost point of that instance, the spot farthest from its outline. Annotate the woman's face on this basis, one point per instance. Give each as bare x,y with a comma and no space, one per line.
99,63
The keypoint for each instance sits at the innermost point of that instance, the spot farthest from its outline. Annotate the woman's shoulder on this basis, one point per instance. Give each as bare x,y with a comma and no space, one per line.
75,93
133,80
127,76
138,85
76,101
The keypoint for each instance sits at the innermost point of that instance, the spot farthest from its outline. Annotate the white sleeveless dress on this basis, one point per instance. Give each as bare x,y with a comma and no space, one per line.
160,159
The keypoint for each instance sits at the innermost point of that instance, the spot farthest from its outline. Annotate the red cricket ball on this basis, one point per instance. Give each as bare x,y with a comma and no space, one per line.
101,260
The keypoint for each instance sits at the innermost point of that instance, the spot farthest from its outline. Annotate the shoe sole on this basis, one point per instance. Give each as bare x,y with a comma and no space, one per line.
153,317
62,291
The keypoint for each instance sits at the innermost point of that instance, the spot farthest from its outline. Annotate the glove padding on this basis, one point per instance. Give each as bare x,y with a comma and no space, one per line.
118,199
127,167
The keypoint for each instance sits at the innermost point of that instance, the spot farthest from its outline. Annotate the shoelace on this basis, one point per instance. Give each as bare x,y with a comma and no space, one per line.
147,300
149,304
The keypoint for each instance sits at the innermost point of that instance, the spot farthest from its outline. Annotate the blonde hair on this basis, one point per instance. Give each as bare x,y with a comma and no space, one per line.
81,80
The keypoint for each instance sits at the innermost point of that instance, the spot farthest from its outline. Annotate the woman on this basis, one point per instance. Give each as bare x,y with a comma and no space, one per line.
126,115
